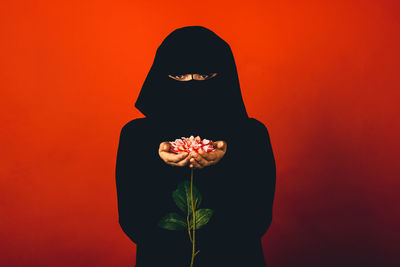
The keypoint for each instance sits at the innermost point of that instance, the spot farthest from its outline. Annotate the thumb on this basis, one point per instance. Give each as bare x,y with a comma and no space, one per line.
220,144
166,146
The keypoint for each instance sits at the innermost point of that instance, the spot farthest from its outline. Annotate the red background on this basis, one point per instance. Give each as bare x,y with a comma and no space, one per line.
322,75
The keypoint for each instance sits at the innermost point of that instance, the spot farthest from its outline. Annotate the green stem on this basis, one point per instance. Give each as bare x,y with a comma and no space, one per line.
188,224
194,217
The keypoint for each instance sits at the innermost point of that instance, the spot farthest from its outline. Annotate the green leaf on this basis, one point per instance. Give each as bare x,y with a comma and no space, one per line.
202,218
182,197
173,221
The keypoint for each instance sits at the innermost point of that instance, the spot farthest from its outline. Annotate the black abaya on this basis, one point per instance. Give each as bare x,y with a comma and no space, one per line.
239,188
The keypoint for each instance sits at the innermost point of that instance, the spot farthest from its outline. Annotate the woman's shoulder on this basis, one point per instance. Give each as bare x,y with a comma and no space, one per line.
137,122
258,130
257,125
134,126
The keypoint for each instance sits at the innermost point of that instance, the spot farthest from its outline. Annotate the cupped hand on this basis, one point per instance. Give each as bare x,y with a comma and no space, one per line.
202,159
181,159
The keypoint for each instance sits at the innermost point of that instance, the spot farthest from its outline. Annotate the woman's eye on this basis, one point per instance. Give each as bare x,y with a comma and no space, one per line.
180,76
203,76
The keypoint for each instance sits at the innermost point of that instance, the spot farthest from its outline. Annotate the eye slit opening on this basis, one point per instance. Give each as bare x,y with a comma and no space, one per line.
196,76
204,76
180,77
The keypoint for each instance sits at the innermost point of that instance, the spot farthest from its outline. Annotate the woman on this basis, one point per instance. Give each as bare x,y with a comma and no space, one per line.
192,88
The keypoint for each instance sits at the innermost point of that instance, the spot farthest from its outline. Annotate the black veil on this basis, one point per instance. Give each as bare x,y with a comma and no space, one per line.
215,102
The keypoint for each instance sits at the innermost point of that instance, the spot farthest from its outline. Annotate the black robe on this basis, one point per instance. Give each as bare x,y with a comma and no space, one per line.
239,188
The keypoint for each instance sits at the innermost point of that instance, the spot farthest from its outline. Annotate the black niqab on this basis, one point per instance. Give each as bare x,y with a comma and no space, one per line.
215,102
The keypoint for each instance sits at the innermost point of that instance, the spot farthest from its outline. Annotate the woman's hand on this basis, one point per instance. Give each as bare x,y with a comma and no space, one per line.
181,159
203,159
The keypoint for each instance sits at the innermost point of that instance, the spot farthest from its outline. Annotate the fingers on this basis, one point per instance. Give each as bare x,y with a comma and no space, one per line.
210,156
221,145
195,164
174,158
164,146
197,161
206,159
170,157
181,163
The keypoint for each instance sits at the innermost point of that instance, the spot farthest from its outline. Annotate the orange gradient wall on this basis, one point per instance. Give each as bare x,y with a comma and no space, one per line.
323,76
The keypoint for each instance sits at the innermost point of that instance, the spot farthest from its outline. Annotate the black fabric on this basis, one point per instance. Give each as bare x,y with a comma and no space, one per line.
239,188
216,101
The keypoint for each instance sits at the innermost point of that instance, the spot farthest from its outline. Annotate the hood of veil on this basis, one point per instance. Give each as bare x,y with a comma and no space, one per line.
215,102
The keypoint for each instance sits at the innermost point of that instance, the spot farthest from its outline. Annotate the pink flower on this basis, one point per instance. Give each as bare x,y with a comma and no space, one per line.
192,143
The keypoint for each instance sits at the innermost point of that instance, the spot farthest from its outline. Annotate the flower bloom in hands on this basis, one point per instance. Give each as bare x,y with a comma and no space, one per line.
194,151
191,144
